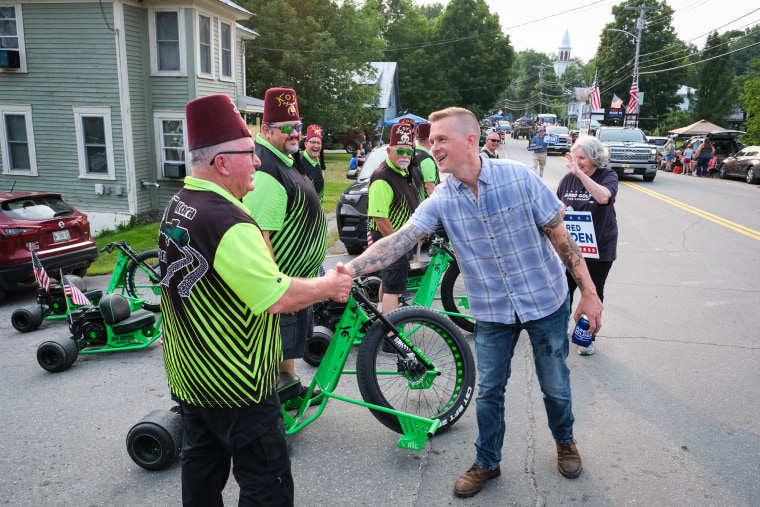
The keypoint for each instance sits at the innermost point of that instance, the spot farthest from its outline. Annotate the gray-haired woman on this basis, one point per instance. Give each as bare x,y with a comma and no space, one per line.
589,186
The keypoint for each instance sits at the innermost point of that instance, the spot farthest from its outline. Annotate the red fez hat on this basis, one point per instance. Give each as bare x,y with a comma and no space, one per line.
313,131
423,130
213,120
280,105
402,133
406,121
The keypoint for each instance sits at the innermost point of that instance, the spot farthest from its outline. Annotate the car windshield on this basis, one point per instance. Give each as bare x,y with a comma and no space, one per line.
557,130
622,135
36,208
372,162
658,141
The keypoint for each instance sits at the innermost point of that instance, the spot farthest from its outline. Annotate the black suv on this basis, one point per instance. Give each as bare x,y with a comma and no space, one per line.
351,213
726,143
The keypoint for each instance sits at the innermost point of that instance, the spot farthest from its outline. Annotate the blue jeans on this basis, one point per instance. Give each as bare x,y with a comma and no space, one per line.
494,346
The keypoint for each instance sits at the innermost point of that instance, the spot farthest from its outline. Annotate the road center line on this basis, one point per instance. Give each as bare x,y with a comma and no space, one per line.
700,213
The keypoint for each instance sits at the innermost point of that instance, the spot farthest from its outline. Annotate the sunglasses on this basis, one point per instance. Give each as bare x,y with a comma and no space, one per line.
286,129
252,153
402,151
493,140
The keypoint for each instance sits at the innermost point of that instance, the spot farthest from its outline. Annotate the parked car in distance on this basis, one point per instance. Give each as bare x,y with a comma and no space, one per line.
744,164
574,134
726,143
659,142
352,139
505,126
43,222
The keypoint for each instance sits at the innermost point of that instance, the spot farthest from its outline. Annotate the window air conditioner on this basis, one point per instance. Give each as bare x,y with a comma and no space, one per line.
174,170
9,59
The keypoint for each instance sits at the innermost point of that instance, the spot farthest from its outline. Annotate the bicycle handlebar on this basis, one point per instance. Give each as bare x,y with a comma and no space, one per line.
121,245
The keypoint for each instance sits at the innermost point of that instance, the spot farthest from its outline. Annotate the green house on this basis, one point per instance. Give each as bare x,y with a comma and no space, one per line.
93,94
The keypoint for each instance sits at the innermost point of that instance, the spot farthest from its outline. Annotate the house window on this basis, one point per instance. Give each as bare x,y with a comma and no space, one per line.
172,134
167,41
17,140
204,44
225,34
12,57
94,141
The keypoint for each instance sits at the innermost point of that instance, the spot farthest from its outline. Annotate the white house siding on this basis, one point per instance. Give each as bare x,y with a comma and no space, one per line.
63,72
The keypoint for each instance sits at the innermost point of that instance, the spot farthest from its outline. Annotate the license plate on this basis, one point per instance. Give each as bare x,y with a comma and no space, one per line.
628,171
61,235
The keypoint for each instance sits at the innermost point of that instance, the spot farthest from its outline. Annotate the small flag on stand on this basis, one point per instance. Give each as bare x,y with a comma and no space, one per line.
71,290
617,102
43,280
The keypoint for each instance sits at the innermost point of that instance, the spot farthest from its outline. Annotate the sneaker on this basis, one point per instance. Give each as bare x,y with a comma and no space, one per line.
473,479
586,351
569,460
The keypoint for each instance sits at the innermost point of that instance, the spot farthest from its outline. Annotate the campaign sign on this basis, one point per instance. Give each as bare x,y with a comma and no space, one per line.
551,138
581,228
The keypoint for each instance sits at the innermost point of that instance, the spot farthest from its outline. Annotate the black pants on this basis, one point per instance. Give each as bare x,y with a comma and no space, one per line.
598,271
253,438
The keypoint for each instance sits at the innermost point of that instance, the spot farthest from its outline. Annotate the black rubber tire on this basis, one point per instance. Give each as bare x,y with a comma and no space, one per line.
57,355
140,284
27,319
316,346
442,343
372,288
750,177
352,147
156,441
451,288
81,272
649,178
722,172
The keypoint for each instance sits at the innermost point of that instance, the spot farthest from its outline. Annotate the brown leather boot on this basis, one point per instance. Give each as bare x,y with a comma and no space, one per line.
472,480
569,460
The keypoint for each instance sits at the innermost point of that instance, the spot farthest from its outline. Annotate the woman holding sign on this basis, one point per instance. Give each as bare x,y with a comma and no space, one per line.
589,186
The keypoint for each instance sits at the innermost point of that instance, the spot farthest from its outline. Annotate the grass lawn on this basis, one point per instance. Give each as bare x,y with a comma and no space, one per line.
145,237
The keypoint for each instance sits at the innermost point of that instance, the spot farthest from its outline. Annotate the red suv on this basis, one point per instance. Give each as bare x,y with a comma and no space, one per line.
45,223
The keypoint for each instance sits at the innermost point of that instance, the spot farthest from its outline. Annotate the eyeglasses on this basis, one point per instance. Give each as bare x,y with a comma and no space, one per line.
493,140
252,153
402,151
286,129
313,142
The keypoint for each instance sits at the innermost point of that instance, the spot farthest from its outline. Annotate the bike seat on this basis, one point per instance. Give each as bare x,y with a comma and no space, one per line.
288,386
94,295
116,313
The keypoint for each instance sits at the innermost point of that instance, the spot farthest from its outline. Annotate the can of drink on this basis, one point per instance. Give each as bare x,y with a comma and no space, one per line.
581,336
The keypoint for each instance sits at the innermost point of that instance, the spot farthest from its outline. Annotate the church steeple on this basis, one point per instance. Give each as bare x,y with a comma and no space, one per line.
563,55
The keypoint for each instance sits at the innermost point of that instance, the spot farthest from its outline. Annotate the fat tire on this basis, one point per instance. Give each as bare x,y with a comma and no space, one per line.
27,319
449,301
443,344
316,346
57,355
156,441
139,288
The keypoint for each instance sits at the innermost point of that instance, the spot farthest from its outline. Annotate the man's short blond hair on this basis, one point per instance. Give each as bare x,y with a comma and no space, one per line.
467,123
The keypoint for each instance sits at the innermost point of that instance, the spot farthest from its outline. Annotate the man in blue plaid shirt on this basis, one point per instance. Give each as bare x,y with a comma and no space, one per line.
512,249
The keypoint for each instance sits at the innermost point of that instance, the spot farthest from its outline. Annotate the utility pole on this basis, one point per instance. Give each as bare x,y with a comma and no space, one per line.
541,68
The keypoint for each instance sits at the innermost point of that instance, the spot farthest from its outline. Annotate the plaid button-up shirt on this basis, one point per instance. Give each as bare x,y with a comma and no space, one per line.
509,267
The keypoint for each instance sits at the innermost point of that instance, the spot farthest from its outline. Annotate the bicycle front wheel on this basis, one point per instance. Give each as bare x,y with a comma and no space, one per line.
454,298
142,280
387,380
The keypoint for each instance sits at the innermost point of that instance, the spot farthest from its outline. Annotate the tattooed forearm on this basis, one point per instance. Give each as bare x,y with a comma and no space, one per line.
383,253
566,247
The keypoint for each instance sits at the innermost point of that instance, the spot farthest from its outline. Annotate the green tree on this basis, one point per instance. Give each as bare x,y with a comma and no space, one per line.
751,99
316,47
715,97
521,96
660,50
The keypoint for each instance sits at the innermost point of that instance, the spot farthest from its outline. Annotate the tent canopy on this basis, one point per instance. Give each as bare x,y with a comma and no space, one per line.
496,117
702,127
416,119
525,118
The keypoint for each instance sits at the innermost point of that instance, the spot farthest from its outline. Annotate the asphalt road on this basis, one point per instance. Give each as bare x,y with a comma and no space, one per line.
666,410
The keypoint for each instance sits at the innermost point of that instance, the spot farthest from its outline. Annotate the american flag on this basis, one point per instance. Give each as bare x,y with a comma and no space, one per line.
73,292
43,280
596,102
633,105
369,234
616,102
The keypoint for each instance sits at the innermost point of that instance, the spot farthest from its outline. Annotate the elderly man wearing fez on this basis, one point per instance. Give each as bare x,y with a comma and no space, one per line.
287,208
393,197
221,296
313,159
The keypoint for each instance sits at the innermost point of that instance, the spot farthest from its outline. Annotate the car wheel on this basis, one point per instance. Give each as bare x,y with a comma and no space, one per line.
722,172
751,175
351,148
648,177
79,272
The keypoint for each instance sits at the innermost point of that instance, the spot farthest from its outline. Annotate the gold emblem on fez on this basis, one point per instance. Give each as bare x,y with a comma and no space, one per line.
234,107
289,101
405,139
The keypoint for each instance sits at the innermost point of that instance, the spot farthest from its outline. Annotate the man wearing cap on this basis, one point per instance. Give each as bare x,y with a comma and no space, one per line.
313,159
492,144
221,296
287,208
393,197
539,149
